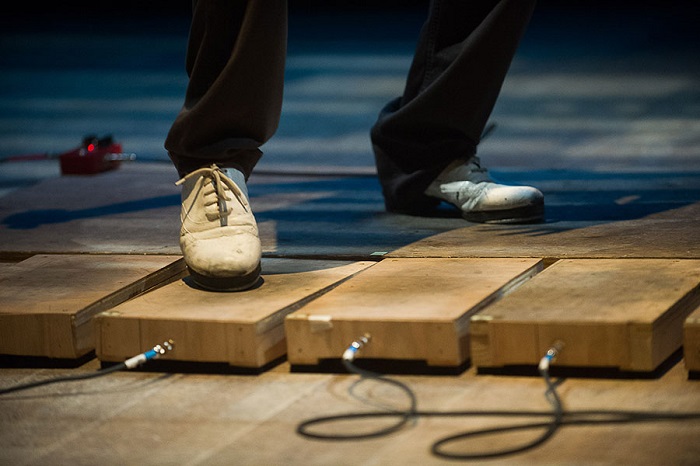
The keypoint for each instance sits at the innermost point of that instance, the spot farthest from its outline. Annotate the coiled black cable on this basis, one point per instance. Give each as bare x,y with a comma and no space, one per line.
554,419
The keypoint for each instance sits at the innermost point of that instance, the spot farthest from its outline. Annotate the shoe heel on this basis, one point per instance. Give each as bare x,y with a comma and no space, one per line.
239,283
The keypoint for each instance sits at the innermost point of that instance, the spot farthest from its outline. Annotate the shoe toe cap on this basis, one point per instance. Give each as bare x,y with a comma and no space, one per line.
509,197
224,256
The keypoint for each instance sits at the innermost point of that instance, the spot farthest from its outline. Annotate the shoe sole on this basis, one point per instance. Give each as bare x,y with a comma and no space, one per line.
238,283
533,213
527,214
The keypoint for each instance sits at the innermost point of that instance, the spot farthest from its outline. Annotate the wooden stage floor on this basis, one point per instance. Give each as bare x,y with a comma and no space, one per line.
602,115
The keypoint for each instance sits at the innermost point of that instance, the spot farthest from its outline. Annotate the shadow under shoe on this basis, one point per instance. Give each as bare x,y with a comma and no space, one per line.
219,235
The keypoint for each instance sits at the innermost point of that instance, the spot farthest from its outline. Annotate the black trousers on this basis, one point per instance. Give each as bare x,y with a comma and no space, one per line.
235,63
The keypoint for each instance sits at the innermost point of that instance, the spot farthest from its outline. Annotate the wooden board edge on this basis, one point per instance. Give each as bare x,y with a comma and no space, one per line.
254,344
651,345
691,342
309,341
452,350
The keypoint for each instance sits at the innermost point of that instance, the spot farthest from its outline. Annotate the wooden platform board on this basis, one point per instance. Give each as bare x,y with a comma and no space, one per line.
672,233
243,329
131,210
414,309
47,302
626,314
691,341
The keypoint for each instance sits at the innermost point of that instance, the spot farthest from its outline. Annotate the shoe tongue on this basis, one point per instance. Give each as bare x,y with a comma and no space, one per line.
237,177
464,170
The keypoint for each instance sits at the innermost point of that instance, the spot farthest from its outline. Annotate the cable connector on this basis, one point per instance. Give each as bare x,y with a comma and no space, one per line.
551,355
351,352
156,352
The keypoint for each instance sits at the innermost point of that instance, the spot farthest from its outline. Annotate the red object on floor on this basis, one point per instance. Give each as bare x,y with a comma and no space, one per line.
92,156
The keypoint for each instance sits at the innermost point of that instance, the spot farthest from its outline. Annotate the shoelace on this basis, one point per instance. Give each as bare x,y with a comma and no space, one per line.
220,182
474,165
460,171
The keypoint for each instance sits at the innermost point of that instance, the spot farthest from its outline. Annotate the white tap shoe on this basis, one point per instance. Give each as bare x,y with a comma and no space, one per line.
219,234
467,186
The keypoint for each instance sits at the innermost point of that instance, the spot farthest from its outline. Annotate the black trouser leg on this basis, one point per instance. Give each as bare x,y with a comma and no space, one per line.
235,62
463,55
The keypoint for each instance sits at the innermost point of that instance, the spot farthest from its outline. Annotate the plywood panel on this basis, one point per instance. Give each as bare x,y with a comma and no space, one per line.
134,209
48,301
414,309
242,329
667,234
625,313
691,341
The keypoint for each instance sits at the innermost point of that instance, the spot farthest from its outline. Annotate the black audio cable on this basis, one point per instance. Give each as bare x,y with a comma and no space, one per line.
551,420
130,363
